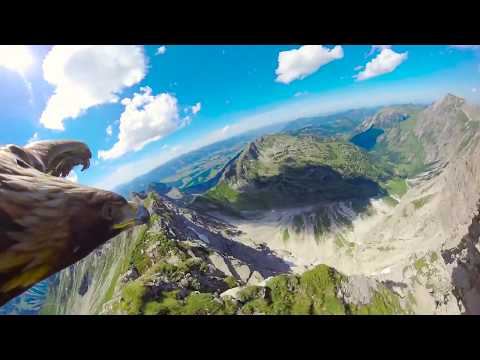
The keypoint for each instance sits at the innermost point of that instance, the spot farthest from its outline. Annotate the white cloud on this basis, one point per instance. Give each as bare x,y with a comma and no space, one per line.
161,50
225,129
16,58
193,110
109,130
73,177
300,93
299,63
86,76
376,48
33,138
357,68
187,120
146,118
196,108
474,90
385,62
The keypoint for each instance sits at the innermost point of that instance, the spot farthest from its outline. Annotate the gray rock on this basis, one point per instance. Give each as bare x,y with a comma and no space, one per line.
255,278
357,289
242,270
219,263
130,275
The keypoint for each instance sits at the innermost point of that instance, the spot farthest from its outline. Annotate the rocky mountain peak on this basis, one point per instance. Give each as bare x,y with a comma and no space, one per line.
448,102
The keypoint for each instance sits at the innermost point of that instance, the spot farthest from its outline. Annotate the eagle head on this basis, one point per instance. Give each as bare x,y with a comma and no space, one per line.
48,223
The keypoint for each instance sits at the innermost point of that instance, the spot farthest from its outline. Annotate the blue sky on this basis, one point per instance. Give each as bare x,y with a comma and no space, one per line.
166,102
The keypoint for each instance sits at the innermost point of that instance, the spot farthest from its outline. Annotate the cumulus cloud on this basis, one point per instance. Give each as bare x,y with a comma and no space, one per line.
187,120
16,58
161,50
385,62
86,76
145,119
73,177
109,130
193,110
376,48
299,63
196,108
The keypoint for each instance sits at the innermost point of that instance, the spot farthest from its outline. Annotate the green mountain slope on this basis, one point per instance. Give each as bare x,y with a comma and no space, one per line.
400,149
285,170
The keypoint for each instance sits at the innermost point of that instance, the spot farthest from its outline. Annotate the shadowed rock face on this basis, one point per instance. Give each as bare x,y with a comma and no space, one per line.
282,171
185,224
302,186
465,259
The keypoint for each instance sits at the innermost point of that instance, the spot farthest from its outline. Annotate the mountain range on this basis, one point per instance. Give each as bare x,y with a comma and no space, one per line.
369,211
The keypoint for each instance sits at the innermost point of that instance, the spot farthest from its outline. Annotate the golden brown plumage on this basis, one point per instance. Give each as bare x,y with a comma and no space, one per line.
46,222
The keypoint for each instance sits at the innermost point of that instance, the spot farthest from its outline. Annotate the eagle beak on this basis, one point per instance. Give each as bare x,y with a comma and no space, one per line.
85,164
141,215
132,214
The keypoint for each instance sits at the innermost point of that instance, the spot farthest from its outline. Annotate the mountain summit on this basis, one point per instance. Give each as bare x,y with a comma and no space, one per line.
449,101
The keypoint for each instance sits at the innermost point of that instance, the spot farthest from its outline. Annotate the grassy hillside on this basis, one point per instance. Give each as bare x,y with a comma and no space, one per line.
401,150
315,292
285,170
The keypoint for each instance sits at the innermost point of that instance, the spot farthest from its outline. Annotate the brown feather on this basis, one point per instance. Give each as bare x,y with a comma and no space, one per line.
47,223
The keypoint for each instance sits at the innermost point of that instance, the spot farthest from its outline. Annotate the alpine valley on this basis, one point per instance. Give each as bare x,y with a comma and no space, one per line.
367,211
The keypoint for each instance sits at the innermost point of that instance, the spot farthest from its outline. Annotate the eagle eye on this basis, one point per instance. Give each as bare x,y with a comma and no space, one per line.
107,211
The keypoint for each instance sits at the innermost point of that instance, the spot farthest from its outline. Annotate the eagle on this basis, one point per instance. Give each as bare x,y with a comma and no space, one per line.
48,223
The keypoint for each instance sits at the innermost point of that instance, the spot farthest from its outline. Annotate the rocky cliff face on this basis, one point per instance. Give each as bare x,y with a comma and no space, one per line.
447,128
464,260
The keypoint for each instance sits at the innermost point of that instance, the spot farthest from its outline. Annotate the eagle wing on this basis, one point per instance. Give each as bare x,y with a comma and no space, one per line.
30,200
